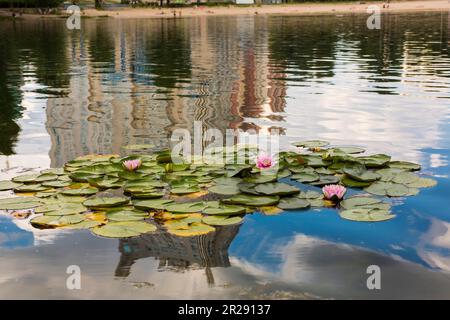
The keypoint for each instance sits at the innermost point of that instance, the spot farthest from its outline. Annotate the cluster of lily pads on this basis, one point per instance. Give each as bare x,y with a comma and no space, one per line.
127,196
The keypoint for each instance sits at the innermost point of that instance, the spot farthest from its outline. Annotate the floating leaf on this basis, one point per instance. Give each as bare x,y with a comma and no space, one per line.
80,192
422,183
86,224
350,150
27,178
157,204
61,209
324,180
194,229
349,182
310,195
276,189
388,174
251,200
124,229
56,221
293,203
388,189
405,178
56,184
354,202
105,202
311,144
56,171
188,207
221,209
30,188
360,173
261,178
375,161
105,182
82,176
46,177
8,185
125,215
224,189
184,190
19,203
306,177
405,165
366,215
221,220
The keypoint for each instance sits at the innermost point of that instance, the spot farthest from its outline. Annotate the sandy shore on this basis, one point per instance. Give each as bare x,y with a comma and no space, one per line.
294,9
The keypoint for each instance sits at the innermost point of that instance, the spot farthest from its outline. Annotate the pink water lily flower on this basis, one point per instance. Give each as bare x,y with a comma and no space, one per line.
132,165
334,192
264,161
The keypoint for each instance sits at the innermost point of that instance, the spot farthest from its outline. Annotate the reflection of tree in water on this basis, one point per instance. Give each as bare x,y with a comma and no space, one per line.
178,253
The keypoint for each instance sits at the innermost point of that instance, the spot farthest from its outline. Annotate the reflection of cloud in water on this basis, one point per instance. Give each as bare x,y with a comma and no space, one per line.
338,270
437,238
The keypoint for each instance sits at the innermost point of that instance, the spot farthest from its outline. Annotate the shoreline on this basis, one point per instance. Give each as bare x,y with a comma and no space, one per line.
266,10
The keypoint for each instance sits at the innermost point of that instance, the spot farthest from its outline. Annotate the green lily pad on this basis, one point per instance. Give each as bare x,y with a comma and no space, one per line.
252,201
375,161
105,202
57,171
301,170
387,174
276,189
46,177
405,165
105,182
349,182
324,180
86,224
82,176
261,178
405,178
188,207
311,144
222,209
193,229
27,178
306,177
124,229
184,190
388,189
310,195
221,220
157,204
125,215
293,204
19,203
224,189
8,185
148,195
61,209
56,184
366,215
248,188
359,172
30,188
350,150
354,202
80,192
422,183
56,221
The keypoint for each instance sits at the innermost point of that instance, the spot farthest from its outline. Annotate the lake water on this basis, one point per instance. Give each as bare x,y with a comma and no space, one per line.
119,82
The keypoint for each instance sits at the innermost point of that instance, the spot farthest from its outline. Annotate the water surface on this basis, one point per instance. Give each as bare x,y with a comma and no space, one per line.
119,82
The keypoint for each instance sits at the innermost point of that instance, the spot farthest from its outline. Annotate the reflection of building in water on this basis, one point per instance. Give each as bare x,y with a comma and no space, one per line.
118,103
178,253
